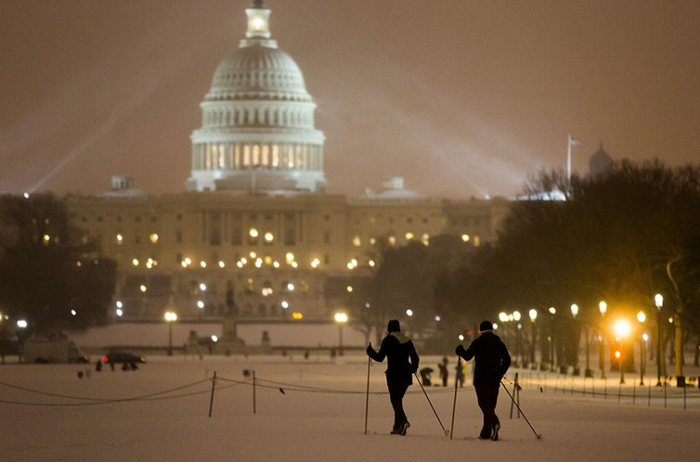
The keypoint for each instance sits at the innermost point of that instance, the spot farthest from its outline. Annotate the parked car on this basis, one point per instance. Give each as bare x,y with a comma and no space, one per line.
122,357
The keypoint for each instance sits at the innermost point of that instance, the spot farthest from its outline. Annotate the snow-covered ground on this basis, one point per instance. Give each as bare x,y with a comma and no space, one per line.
314,410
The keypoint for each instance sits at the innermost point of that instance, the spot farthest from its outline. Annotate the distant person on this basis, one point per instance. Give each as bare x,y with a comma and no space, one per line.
459,376
444,373
402,363
425,376
492,362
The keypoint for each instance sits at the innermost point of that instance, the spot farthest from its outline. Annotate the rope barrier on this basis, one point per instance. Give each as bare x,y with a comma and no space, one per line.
98,401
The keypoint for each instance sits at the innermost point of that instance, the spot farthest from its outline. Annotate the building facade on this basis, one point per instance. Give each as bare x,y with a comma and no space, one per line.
255,235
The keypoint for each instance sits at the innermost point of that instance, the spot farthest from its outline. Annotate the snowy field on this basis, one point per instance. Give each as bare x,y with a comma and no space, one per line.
314,410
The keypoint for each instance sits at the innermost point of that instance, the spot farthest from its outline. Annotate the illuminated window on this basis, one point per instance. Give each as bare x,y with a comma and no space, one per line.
409,236
154,238
356,241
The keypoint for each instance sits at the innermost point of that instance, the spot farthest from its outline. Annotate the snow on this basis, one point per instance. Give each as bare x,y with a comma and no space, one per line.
156,334
314,410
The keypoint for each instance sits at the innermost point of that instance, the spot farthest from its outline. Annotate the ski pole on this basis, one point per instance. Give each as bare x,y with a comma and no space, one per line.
369,363
454,403
431,406
521,411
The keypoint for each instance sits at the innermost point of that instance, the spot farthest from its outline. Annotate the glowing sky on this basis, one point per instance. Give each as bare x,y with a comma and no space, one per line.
459,97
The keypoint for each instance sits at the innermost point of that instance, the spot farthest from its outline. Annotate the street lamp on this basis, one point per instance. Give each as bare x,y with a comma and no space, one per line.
516,316
659,302
533,318
552,311
340,318
642,317
622,330
574,313
170,318
22,325
603,307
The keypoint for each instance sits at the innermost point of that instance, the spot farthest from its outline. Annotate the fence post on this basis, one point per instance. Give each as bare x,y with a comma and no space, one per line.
213,386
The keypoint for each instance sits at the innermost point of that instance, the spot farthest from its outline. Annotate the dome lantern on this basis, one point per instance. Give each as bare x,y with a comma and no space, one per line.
258,26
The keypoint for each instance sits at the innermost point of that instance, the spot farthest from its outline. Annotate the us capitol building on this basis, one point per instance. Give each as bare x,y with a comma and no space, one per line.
255,235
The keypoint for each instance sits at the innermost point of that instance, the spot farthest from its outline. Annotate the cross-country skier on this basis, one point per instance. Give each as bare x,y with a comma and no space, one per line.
399,349
492,362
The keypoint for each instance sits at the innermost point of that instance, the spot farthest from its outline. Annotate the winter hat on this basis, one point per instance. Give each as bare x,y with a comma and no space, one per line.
485,326
393,326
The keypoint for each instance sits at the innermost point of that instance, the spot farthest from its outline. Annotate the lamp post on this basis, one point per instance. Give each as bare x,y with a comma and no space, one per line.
552,311
22,325
603,307
622,330
170,318
518,350
659,302
533,318
340,318
574,356
642,317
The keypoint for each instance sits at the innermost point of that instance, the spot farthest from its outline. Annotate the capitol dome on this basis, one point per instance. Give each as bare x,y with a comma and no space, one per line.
258,130
258,72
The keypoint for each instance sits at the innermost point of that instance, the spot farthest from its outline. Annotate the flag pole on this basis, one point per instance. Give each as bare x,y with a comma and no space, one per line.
568,160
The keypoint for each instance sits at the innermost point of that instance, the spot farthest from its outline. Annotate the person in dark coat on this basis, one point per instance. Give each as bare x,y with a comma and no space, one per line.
402,363
492,361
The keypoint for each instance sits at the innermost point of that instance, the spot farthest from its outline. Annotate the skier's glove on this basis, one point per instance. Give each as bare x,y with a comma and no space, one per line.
460,350
370,350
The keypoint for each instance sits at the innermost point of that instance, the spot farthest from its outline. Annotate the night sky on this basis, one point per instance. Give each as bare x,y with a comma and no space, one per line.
462,98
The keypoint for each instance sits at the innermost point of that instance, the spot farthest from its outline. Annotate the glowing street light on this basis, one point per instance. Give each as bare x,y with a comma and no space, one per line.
533,317
340,318
622,329
642,317
659,302
552,311
170,318
603,307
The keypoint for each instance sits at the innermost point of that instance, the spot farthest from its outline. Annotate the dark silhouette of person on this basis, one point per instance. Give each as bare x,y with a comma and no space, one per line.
492,361
459,377
402,363
425,376
444,373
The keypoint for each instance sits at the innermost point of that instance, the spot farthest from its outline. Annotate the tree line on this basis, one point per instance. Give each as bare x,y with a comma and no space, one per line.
620,236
